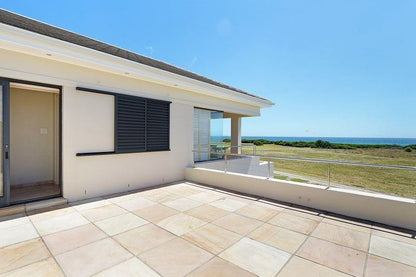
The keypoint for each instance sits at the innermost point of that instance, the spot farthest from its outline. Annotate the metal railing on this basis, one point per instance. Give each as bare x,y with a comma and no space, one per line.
328,162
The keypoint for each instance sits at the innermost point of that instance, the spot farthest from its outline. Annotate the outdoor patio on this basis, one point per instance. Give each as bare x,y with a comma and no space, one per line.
187,229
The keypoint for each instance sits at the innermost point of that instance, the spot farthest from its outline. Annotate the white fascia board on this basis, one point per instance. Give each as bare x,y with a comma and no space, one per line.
19,40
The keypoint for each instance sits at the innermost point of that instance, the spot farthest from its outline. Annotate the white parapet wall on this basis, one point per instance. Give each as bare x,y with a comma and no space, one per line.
395,211
250,165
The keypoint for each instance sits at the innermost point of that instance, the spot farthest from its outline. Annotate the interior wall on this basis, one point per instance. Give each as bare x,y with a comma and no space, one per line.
33,136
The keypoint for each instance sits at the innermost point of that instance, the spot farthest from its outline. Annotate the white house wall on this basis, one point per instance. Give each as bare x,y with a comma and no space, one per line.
85,177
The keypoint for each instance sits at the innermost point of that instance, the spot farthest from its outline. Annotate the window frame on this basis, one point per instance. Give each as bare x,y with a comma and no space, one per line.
115,151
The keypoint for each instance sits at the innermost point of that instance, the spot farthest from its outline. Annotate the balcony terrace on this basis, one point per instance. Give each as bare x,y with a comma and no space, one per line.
186,229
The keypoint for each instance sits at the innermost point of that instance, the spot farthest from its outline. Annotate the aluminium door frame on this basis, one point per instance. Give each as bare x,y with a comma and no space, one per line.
5,201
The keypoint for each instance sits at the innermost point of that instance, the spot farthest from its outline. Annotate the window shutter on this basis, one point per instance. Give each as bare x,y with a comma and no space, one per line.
157,122
130,135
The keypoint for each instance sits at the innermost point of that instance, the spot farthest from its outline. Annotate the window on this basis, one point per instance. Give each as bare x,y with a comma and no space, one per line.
140,124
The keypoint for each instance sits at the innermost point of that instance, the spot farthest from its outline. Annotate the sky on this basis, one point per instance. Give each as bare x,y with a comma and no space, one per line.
332,68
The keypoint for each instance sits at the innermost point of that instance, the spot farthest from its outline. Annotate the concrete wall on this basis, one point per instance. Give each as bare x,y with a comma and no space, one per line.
32,136
375,207
243,165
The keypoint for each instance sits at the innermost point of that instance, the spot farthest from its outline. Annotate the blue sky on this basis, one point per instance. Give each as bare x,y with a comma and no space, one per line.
333,68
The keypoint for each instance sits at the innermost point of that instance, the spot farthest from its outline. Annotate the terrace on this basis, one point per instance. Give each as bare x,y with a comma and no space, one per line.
187,229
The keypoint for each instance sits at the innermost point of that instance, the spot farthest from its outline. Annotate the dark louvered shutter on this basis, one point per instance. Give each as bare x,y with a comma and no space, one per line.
157,125
130,124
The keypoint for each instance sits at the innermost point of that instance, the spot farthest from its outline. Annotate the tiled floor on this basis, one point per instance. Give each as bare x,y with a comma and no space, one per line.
191,230
28,191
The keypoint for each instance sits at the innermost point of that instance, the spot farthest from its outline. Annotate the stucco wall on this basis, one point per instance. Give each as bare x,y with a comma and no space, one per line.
85,177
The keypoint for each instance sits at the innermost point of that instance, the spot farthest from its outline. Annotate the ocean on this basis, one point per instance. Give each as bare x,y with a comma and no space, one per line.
352,140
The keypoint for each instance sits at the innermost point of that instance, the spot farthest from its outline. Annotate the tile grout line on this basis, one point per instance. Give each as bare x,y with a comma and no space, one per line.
367,254
311,236
46,246
294,253
211,222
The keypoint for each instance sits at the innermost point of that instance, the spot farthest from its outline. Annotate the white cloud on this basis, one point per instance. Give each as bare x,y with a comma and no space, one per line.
149,48
193,61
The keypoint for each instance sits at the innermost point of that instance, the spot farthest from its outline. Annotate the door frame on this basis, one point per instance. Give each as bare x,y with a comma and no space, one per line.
5,82
5,199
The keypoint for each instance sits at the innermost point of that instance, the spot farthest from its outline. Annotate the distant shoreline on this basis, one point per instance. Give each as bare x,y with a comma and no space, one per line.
338,140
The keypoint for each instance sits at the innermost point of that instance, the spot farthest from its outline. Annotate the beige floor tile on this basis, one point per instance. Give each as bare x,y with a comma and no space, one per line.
92,258
143,238
212,238
350,224
344,236
22,254
60,223
130,268
184,189
257,212
281,238
301,267
270,204
237,223
45,268
136,204
206,196
180,224
310,214
228,204
207,213
219,268
162,196
50,212
122,197
248,200
89,203
391,230
393,250
335,256
182,204
295,223
121,223
103,212
13,220
256,257
175,258
155,213
399,236
73,238
16,230
379,267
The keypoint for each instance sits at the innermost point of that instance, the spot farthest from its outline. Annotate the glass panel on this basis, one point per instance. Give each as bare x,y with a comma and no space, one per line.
201,134
1,140
208,135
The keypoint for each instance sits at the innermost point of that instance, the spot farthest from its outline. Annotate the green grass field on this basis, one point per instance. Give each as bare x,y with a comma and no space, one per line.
399,182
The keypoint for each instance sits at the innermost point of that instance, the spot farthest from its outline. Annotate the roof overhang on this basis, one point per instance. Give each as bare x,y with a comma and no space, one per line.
30,43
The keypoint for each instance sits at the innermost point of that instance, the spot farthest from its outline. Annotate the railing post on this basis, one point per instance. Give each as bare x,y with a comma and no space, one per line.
225,163
329,175
268,169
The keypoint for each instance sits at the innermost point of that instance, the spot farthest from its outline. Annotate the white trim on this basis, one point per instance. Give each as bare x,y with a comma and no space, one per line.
19,40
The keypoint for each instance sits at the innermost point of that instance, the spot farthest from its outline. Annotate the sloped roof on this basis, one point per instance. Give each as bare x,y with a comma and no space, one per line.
35,26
